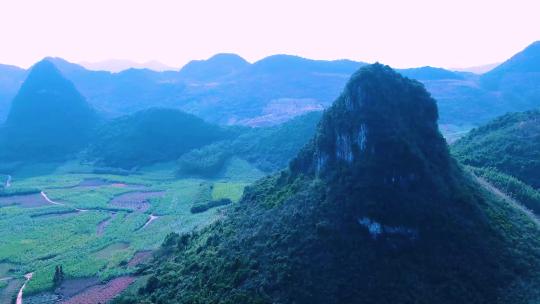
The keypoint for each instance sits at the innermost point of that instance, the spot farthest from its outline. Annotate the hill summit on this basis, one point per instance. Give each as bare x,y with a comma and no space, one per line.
381,118
372,210
48,118
219,65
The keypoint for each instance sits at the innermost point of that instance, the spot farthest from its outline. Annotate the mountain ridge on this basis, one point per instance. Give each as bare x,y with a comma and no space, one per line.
246,92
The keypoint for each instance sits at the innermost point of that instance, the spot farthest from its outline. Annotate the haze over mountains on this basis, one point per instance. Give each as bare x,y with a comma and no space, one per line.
118,65
480,69
50,121
228,90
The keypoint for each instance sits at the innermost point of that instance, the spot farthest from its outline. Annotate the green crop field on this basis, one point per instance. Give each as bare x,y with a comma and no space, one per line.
77,223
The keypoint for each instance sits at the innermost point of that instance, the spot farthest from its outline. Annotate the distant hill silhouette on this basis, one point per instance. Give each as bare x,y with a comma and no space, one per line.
526,61
226,89
517,80
217,66
431,73
11,78
118,65
49,119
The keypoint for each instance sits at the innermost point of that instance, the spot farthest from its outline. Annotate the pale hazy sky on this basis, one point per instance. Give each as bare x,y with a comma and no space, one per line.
402,33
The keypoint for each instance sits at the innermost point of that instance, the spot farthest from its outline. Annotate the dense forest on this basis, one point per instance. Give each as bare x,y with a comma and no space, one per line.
235,182
510,144
151,136
269,152
348,223
506,152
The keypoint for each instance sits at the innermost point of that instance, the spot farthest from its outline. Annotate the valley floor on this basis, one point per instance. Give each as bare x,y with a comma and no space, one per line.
98,227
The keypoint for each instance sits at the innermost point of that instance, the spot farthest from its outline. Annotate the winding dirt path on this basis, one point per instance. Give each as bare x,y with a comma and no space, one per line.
28,277
496,191
103,224
150,220
49,200
57,203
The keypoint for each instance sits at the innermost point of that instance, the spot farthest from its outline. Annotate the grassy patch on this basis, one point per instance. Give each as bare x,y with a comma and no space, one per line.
230,190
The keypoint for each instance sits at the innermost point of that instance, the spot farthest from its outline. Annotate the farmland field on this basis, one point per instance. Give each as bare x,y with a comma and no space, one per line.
98,226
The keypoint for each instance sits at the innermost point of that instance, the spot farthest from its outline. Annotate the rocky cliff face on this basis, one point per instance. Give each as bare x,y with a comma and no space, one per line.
382,124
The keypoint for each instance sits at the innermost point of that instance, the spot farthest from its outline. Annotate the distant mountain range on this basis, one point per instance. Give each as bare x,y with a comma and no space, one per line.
118,65
227,89
49,120
11,78
479,69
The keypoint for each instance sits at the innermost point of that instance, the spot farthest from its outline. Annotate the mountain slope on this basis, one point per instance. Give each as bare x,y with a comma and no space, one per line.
372,210
48,118
526,61
510,143
269,149
11,78
517,80
150,136
506,153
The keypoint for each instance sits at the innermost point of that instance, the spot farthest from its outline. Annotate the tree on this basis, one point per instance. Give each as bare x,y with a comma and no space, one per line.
58,276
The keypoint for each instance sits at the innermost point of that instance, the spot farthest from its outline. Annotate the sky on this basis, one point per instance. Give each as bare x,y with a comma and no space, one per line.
454,33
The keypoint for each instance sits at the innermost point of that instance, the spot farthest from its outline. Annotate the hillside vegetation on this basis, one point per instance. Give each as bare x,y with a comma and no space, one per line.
510,144
372,210
506,153
269,149
151,136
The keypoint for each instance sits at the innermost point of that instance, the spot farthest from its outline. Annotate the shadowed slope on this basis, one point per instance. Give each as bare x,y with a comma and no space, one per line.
48,119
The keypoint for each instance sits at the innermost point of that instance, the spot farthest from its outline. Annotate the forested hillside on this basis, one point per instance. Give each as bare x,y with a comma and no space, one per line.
151,136
506,152
372,210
